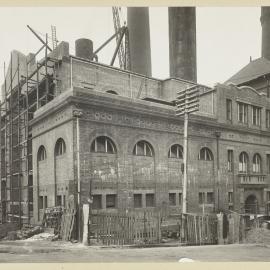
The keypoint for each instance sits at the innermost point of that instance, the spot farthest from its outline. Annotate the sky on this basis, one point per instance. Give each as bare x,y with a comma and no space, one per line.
226,36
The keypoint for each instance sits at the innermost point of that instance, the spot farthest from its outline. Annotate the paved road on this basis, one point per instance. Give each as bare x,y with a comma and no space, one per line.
59,252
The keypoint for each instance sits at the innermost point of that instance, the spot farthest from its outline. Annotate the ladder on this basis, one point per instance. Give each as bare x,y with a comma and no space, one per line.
54,39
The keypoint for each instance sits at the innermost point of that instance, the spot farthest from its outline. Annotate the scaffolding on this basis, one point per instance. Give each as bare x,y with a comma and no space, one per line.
24,95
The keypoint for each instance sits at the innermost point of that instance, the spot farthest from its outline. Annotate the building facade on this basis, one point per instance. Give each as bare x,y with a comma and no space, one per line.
112,135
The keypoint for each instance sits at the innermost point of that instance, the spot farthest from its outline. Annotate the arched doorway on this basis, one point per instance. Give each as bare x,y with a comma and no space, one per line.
251,204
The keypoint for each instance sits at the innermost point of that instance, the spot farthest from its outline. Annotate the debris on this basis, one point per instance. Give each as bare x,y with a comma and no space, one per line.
258,235
24,233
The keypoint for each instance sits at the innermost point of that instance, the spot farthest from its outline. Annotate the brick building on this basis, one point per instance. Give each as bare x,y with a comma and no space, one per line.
116,132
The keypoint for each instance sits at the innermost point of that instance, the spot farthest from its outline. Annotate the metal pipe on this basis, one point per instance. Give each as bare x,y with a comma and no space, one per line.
117,47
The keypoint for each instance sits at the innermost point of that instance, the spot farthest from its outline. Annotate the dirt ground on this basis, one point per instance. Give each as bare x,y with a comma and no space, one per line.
62,252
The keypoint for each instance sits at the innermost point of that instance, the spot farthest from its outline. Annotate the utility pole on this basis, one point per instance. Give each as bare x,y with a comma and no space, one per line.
77,114
187,101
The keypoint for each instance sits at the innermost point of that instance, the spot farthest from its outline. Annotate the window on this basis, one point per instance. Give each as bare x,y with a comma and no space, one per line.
150,200
268,196
41,153
59,200
201,197
40,202
180,198
229,109
242,113
205,154
143,148
257,163
97,201
172,199
210,197
230,197
60,147
268,163
267,118
111,201
176,151
230,160
243,162
137,200
45,201
256,116
103,144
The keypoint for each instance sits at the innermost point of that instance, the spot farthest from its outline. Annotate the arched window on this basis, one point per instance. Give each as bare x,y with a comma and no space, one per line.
143,148
176,151
257,163
205,154
103,144
41,155
112,92
243,162
60,147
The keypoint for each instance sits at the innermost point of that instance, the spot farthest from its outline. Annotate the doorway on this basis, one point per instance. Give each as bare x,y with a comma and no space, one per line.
251,205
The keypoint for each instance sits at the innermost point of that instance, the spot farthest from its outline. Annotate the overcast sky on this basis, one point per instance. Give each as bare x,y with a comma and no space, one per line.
226,37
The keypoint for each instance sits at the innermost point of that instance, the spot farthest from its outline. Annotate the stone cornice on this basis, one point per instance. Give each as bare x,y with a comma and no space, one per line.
103,101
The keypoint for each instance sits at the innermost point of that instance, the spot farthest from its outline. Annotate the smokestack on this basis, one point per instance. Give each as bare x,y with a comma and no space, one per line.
139,37
84,48
265,22
182,43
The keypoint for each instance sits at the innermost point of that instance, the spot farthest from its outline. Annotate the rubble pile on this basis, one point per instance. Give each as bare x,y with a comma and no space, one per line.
258,235
24,233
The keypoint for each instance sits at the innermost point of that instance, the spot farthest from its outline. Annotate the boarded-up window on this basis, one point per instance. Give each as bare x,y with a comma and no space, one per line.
137,200
201,198
97,202
210,197
150,200
172,199
111,201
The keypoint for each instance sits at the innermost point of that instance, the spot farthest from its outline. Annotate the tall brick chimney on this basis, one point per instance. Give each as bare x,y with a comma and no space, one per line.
182,43
265,22
139,36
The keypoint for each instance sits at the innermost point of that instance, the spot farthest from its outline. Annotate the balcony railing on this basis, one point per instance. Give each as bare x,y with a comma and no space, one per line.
252,179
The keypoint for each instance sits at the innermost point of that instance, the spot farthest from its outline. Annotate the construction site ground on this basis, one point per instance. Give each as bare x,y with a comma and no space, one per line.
36,251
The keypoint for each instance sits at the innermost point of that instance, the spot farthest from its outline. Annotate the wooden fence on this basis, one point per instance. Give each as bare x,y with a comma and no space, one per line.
198,229
126,229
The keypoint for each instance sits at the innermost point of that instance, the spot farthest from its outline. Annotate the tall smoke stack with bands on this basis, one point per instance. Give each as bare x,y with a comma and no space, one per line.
182,43
139,37
265,22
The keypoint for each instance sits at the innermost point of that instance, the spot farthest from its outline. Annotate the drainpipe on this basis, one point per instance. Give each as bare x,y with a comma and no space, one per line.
216,206
77,114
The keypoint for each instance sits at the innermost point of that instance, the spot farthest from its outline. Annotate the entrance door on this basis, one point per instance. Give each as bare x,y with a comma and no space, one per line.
251,205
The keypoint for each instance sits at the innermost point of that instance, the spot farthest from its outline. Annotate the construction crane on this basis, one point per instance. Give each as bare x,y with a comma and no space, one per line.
122,31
